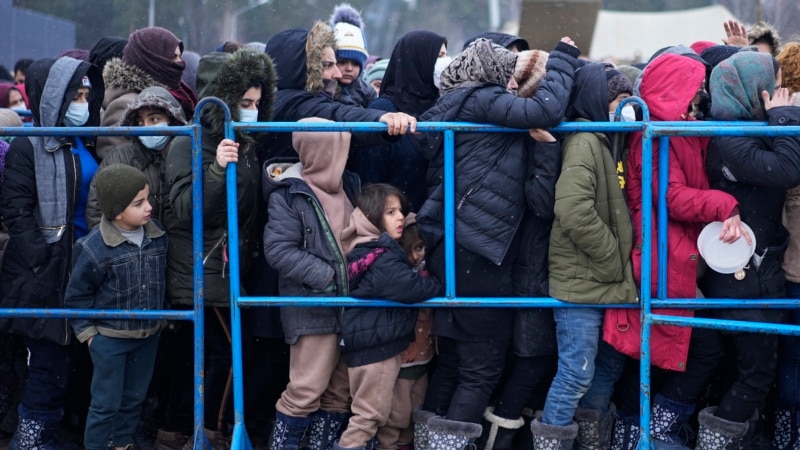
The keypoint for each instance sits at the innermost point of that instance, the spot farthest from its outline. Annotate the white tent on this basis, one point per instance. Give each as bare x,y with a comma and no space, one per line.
634,36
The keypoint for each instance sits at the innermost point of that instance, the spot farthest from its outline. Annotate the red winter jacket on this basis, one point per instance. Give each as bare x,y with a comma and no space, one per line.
668,86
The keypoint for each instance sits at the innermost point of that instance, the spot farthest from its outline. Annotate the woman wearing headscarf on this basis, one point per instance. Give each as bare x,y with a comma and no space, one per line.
490,197
409,85
757,171
152,57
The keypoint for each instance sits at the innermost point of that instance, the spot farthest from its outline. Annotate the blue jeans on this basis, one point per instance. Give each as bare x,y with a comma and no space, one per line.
122,372
609,365
578,334
49,369
789,369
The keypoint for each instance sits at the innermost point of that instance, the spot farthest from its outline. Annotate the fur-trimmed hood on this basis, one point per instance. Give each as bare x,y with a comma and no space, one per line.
228,76
154,97
765,32
298,56
118,75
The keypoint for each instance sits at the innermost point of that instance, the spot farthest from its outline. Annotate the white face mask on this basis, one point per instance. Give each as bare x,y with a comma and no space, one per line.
155,143
21,107
77,114
628,115
248,115
441,64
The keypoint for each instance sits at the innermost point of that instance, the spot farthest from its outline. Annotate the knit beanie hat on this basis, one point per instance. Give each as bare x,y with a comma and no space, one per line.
152,49
9,118
617,84
530,71
117,185
376,71
346,23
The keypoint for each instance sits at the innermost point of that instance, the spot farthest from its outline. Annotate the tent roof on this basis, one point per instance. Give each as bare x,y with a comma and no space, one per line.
635,36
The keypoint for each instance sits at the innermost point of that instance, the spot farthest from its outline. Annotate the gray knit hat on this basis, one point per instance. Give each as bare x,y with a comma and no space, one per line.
117,186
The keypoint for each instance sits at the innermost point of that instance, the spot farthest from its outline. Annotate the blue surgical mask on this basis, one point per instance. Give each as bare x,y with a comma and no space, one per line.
248,115
155,143
438,68
77,114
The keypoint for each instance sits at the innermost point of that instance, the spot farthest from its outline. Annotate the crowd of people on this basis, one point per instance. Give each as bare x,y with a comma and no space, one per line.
106,223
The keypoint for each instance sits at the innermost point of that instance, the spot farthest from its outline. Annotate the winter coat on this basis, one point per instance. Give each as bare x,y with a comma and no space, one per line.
757,171
133,153
358,93
226,76
34,273
534,328
298,59
298,243
668,86
110,272
379,269
491,167
591,239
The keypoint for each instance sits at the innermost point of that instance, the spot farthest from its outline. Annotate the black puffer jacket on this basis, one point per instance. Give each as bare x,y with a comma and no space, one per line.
35,273
491,167
300,93
298,243
380,270
757,171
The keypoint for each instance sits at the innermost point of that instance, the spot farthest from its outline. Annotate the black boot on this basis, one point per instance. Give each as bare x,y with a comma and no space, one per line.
288,432
718,434
326,428
498,432
595,428
786,430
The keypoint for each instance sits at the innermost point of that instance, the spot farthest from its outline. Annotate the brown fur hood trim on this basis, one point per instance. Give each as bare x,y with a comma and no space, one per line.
320,36
117,74
765,32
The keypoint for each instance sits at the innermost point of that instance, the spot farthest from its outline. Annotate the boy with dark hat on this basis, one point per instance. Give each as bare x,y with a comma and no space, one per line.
119,265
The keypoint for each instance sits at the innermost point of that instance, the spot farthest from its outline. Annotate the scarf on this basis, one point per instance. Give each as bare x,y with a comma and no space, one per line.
359,230
153,50
736,85
408,80
481,62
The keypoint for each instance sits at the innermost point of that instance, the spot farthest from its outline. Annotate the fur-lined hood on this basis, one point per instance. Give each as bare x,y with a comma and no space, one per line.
228,76
117,74
298,56
158,98
765,32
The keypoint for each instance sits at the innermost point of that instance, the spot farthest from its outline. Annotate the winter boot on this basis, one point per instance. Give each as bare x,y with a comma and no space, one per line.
371,445
170,440
626,433
718,434
498,432
756,437
326,428
420,418
288,431
446,434
669,424
35,430
595,428
523,440
786,430
553,437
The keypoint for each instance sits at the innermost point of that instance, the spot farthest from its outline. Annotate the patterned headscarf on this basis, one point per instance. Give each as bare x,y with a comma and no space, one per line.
481,62
736,84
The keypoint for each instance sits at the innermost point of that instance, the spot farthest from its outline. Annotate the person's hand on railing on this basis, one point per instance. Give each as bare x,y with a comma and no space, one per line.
735,34
399,123
781,97
227,152
540,135
568,40
733,229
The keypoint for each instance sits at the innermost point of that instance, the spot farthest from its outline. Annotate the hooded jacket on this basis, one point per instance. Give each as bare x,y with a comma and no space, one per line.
226,76
299,242
34,272
150,162
591,239
491,167
377,268
297,55
668,86
757,171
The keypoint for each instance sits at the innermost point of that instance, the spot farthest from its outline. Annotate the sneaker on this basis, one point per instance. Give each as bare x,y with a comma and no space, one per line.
170,440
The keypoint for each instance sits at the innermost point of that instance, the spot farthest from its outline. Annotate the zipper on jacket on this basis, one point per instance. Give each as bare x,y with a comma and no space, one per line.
220,242
74,199
464,198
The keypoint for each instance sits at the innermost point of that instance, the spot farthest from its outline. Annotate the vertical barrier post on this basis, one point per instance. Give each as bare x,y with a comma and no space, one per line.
198,300
449,214
647,248
663,184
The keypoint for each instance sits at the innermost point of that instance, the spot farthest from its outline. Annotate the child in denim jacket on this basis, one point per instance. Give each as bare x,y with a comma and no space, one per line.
119,265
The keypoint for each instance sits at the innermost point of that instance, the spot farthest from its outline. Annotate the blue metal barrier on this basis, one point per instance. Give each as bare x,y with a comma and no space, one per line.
194,132
651,130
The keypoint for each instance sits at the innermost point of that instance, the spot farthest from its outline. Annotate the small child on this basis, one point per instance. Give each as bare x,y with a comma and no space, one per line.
412,381
373,339
119,265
